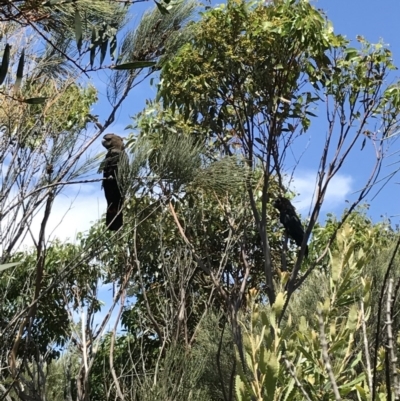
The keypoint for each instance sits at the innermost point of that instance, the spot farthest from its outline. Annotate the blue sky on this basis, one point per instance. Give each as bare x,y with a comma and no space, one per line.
371,19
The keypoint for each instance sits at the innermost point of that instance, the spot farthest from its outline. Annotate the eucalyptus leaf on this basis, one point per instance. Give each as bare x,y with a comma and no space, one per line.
161,8
93,46
54,2
134,65
113,47
35,100
103,51
78,30
20,70
8,265
5,63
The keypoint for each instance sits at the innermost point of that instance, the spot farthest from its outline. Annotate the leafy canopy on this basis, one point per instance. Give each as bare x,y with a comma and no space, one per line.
254,53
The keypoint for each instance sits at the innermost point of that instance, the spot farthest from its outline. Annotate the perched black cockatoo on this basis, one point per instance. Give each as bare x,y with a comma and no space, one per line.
290,220
113,165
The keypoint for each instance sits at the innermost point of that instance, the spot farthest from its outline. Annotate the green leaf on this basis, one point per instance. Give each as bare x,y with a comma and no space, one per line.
289,390
361,392
103,51
20,71
353,318
53,2
4,63
239,388
8,265
279,303
93,46
354,382
78,30
266,25
35,100
340,344
309,357
272,375
161,8
263,360
134,65
113,47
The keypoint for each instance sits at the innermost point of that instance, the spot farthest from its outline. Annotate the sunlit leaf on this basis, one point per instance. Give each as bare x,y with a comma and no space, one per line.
8,265
279,303
272,375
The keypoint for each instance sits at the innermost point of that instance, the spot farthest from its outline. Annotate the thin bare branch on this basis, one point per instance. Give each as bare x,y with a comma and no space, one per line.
290,368
366,346
390,346
326,359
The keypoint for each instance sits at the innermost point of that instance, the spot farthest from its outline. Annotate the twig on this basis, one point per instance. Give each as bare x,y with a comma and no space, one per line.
327,171
137,263
5,391
56,184
387,378
325,357
289,367
112,344
221,377
48,40
84,345
390,346
197,258
378,321
82,258
366,347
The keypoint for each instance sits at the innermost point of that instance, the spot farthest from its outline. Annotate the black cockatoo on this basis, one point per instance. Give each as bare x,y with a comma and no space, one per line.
290,220
113,166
